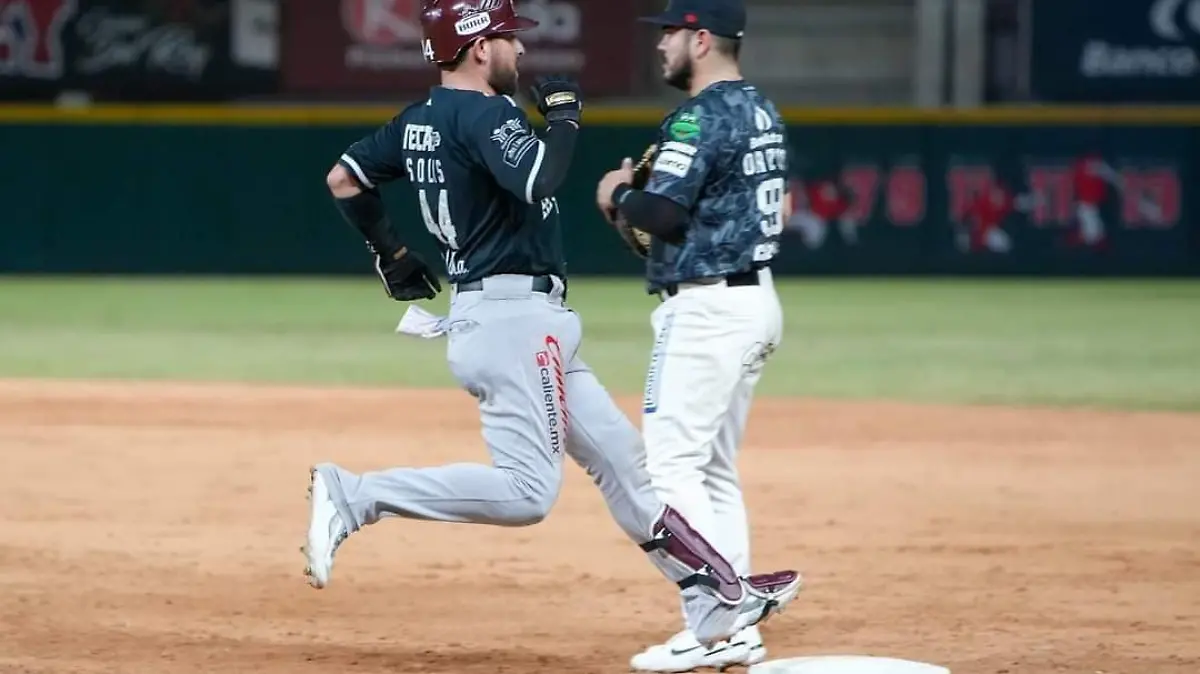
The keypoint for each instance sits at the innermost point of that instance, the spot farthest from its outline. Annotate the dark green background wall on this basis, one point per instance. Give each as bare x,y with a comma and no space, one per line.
224,198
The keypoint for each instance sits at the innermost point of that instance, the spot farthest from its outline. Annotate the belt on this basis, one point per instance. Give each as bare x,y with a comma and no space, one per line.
742,278
538,284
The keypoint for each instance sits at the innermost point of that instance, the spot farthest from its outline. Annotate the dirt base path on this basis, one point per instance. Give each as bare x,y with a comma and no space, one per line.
154,528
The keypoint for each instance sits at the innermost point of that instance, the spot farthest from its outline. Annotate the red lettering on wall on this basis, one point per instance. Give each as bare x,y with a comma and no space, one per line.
906,195
1151,198
1053,201
963,183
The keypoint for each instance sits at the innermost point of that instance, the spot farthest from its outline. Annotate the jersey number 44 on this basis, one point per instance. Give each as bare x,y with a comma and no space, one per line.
441,226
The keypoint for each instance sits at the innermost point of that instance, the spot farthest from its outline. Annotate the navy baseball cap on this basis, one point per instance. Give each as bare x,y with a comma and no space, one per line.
726,18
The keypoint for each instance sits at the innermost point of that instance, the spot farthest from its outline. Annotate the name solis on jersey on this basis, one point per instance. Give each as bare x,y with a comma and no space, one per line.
423,138
424,170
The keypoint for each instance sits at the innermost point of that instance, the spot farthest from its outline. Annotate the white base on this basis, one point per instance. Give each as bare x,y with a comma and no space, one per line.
845,664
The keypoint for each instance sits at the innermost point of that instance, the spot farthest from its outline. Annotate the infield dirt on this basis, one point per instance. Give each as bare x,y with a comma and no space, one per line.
152,527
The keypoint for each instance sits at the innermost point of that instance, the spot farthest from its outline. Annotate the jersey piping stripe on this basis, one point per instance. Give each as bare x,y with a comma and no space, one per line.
533,173
362,177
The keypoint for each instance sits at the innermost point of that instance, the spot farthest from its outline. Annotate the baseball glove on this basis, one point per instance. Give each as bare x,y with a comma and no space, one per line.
636,239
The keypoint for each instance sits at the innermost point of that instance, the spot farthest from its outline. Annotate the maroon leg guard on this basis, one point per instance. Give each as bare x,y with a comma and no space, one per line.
675,537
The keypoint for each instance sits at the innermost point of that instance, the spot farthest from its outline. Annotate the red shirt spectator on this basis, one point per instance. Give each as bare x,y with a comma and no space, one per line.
1089,176
825,200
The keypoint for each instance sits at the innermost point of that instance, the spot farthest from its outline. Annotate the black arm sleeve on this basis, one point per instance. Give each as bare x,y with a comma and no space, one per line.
560,148
657,215
366,212
529,166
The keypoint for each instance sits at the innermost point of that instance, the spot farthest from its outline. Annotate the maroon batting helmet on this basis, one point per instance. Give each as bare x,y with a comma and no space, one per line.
451,25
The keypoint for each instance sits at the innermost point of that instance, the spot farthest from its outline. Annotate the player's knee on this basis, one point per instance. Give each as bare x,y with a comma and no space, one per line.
537,499
528,512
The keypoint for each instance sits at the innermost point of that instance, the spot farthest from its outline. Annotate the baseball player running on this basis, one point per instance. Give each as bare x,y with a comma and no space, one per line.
715,204
485,184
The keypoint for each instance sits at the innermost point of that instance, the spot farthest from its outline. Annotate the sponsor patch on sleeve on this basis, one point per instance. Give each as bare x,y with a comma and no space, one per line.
689,150
685,127
673,162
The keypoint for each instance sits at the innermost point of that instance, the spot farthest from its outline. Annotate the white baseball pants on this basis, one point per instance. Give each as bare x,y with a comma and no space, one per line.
709,348
1091,225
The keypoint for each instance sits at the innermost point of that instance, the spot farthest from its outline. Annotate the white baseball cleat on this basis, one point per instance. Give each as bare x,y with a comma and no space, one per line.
326,531
682,653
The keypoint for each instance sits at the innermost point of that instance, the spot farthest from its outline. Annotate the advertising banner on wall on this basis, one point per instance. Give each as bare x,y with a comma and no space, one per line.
131,50
992,199
373,47
1137,51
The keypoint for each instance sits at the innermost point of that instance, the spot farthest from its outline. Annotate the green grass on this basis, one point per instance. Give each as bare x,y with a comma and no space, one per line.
1129,344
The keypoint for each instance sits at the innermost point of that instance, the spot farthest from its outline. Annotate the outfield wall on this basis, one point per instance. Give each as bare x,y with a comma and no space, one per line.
124,189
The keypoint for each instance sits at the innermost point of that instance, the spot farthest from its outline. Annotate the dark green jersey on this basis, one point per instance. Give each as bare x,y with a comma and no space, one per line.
472,160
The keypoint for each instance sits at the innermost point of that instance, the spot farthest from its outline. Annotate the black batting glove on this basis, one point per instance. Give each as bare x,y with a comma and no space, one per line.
406,277
558,98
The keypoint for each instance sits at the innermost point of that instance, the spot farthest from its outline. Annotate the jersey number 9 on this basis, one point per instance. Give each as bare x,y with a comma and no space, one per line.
770,204
441,227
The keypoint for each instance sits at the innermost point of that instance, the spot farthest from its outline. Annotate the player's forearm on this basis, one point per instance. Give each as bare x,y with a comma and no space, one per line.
559,144
659,216
366,212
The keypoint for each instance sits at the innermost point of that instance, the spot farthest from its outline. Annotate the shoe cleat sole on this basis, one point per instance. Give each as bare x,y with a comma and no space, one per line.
308,575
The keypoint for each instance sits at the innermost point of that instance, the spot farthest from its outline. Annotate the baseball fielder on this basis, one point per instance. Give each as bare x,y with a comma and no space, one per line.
985,216
485,184
715,205
1090,179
